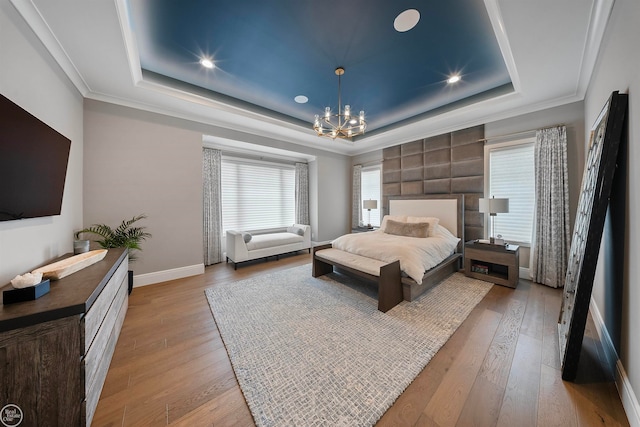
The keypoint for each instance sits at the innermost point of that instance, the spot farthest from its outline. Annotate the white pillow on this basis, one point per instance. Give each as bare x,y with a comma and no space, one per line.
441,231
398,218
296,230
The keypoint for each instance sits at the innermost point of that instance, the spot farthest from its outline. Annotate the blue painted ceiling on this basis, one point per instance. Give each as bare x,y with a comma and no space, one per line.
268,52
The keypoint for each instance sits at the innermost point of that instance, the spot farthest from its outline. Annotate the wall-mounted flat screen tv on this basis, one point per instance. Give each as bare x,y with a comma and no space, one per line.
33,165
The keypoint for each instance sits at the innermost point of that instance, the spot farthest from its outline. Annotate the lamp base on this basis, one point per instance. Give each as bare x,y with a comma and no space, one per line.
497,241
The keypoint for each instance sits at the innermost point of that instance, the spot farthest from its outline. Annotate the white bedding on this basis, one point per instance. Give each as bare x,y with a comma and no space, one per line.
416,255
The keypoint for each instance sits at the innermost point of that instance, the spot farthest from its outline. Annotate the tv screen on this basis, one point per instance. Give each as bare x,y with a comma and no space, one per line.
33,165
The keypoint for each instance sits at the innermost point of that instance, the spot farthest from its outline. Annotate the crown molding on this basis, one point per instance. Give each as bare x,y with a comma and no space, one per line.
41,29
600,13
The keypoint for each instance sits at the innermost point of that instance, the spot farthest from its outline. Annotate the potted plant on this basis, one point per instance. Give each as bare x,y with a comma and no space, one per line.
124,236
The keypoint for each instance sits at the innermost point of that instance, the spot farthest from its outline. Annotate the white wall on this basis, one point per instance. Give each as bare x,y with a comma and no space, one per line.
141,162
30,78
616,290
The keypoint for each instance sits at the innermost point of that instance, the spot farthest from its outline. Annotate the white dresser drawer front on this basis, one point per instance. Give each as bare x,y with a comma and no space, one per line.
96,314
98,358
95,353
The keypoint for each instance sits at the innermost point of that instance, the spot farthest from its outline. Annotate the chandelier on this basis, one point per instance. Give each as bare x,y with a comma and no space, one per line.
340,125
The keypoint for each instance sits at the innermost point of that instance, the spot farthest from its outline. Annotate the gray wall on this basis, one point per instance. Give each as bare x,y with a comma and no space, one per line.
570,115
137,162
334,197
30,78
142,162
616,290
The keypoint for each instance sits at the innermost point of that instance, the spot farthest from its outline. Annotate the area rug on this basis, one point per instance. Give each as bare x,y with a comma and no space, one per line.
316,351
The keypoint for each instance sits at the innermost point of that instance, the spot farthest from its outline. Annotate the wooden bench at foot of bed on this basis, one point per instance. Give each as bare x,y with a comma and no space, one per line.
387,276
392,287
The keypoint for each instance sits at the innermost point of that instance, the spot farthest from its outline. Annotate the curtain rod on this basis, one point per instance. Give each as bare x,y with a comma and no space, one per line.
506,135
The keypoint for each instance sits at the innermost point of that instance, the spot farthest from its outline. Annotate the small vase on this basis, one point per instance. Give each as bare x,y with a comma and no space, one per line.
80,246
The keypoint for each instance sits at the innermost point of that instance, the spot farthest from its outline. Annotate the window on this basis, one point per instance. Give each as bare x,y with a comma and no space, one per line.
257,194
511,175
370,190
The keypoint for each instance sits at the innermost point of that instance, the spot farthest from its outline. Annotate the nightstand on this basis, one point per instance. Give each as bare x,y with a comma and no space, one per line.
363,229
499,264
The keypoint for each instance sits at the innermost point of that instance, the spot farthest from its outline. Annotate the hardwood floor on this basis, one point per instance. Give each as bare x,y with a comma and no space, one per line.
500,368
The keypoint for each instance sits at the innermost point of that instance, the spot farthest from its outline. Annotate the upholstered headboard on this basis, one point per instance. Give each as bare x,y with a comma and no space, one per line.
449,208
451,163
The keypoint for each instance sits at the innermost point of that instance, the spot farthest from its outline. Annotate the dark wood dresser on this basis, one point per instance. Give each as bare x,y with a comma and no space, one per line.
55,351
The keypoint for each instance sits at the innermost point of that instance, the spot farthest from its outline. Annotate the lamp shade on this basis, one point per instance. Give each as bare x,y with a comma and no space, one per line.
493,206
370,204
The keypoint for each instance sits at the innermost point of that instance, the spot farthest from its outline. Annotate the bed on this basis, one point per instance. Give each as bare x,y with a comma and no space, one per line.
395,278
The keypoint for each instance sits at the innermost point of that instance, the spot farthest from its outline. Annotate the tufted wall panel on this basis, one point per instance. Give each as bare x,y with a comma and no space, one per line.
451,163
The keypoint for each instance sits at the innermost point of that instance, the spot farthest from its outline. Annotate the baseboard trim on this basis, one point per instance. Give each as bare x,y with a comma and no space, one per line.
523,273
627,395
165,275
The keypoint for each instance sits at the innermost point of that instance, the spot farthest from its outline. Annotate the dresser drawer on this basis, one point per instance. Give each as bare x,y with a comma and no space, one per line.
96,314
95,357
98,358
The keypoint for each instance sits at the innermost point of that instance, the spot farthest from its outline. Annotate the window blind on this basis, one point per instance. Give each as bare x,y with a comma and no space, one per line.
257,194
511,175
370,189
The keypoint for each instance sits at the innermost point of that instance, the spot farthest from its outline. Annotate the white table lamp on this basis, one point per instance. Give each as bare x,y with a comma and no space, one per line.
368,205
493,207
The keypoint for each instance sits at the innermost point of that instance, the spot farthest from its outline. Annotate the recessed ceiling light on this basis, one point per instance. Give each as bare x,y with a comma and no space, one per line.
207,63
406,20
453,79
301,99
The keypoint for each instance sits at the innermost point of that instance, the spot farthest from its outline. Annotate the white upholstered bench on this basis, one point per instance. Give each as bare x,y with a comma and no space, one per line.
387,276
264,245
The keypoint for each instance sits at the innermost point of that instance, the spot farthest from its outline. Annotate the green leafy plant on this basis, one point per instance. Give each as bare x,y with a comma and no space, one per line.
125,236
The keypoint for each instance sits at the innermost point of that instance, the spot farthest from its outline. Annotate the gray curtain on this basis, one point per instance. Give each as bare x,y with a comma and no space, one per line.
212,202
551,240
356,209
302,193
